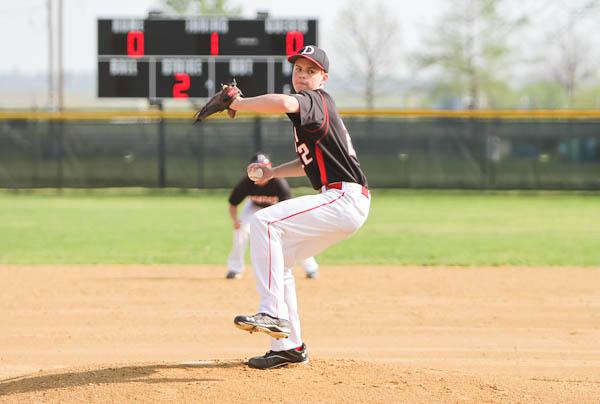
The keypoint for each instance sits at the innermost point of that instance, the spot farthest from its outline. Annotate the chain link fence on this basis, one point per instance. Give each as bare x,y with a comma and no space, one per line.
395,151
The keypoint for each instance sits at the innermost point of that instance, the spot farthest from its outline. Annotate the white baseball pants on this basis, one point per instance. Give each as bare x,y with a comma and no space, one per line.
235,262
293,230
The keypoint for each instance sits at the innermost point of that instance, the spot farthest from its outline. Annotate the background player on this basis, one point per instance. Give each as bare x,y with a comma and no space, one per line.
260,194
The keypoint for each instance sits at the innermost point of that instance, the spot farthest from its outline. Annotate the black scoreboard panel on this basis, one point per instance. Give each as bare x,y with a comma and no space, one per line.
116,83
190,57
251,77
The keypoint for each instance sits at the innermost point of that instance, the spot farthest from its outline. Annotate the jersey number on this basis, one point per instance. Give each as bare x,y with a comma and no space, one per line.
303,151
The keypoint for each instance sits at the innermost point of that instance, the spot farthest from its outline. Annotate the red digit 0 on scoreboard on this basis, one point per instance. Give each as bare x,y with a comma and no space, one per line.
182,84
294,41
135,44
214,43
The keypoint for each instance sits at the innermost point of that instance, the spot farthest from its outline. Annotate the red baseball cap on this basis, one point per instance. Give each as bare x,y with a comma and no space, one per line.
314,54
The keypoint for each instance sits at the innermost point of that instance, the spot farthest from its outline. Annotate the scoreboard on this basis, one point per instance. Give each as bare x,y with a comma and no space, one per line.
189,57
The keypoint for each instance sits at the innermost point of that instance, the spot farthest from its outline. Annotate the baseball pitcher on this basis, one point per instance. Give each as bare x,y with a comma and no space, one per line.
297,228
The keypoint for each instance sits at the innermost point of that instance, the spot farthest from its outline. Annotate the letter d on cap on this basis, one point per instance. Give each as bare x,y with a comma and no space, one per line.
308,50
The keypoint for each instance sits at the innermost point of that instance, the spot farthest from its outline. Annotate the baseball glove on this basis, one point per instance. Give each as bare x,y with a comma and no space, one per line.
220,102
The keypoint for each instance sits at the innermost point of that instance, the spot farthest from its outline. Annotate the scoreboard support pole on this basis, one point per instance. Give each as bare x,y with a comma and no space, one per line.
161,148
258,144
56,129
60,144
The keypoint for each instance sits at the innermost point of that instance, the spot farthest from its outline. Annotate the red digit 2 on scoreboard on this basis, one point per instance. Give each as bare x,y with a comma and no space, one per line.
182,83
135,44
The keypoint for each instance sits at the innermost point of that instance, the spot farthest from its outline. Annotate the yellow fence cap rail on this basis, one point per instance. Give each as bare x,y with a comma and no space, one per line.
366,113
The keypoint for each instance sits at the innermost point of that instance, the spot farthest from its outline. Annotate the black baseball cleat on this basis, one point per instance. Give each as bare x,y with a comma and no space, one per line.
275,327
233,275
312,275
275,359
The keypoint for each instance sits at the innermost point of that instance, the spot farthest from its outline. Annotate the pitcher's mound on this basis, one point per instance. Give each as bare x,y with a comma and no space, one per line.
232,381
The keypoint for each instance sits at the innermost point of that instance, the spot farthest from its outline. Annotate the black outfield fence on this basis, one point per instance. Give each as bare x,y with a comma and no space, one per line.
412,149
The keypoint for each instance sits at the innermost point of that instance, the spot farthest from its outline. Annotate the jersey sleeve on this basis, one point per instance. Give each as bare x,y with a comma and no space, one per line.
312,110
239,192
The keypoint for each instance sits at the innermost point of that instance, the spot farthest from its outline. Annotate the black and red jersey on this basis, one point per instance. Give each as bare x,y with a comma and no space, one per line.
274,191
323,143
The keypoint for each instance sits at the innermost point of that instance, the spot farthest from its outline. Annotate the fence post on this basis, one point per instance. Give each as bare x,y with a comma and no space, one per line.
478,134
258,135
57,128
162,153
200,155
482,128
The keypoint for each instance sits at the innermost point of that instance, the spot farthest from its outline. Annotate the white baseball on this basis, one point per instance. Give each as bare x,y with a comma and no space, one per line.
255,175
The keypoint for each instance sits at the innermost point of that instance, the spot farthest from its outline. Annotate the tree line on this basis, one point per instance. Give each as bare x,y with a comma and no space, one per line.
528,54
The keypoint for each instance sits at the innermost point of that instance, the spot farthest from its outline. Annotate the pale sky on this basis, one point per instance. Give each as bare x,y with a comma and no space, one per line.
24,33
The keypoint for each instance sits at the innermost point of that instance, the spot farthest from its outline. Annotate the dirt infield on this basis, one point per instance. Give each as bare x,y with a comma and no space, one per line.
380,334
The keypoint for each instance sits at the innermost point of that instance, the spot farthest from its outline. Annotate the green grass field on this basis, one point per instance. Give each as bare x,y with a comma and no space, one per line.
132,226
